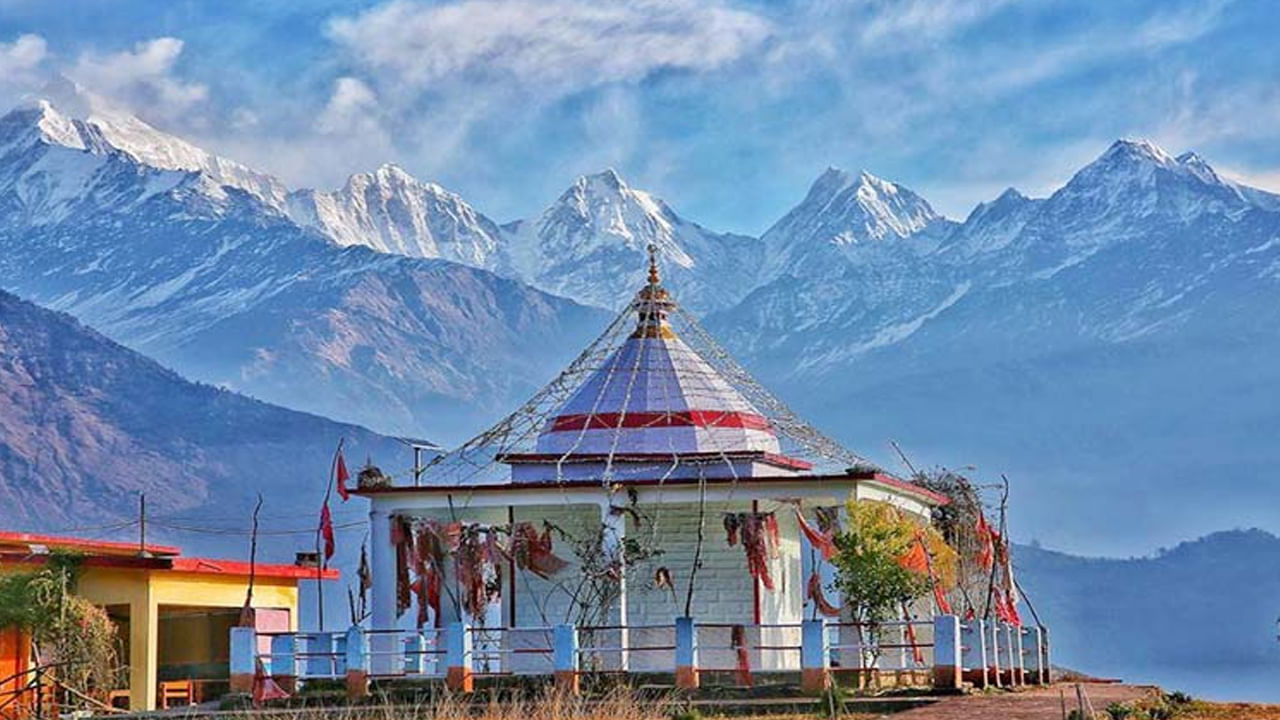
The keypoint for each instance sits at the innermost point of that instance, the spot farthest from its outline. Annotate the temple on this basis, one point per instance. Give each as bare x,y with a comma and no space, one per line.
652,480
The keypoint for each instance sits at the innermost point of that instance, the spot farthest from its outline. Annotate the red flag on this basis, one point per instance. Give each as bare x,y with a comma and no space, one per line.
264,687
986,543
343,476
326,530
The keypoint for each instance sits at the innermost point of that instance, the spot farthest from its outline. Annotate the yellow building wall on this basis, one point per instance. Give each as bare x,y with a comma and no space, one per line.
145,592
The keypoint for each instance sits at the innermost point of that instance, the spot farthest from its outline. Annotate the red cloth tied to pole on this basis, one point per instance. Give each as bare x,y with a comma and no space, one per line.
916,653
756,540
326,531
342,476
986,549
820,601
264,687
940,598
738,639
533,551
823,542
916,559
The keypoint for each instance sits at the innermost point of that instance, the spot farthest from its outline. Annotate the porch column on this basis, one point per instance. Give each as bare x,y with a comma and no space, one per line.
144,630
614,533
382,611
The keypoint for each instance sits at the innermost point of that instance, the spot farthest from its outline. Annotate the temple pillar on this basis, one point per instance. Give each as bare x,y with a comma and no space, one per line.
613,536
382,610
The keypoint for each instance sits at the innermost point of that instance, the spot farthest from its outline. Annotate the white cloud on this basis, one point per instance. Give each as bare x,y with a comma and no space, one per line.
351,107
559,46
23,55
142,78
924,19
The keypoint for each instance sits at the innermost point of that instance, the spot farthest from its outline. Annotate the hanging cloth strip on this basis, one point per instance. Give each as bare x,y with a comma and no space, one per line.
916,653
758,533
822,541
986,550
401,537
820,601
264,687
533,551
738,640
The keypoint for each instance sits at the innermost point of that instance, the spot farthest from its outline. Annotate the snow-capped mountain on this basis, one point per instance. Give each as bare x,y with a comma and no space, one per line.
96,125
215,282
391,211
590,246
1125,324
844,217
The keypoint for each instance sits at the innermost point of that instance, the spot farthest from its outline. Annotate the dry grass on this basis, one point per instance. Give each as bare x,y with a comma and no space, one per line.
1199,710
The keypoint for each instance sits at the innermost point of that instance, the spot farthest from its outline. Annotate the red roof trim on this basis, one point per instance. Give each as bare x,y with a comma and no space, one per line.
774,459
62,541
671,418
213,566
892,481
874,477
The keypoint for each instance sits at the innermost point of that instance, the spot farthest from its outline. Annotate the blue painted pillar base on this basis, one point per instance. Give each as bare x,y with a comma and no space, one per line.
244,651
815,660
687,676
565,639
458,676
947,661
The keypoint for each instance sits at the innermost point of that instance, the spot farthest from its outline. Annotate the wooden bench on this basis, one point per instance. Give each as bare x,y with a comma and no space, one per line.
180,691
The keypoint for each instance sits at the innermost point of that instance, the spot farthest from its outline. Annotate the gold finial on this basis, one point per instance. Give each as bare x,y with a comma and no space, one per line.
654,277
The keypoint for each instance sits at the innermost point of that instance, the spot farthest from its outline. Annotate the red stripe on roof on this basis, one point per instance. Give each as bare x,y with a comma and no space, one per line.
695,458
211,566
88,546
673,418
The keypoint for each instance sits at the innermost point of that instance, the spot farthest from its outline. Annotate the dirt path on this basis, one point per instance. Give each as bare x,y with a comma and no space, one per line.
1038,704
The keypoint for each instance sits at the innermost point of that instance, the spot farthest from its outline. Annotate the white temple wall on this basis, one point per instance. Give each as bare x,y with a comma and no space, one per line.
542,602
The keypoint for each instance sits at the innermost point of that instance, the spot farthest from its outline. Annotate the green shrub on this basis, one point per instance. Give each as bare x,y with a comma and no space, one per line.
1119,711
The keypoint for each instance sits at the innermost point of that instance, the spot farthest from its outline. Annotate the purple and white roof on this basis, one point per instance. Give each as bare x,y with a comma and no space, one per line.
655,395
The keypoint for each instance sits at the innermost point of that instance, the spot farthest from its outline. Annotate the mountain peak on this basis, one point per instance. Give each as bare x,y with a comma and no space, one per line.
605,182
1139,149
78,120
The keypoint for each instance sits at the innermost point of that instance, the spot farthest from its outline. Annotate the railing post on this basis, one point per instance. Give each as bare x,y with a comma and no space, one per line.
1046,668
1011,659
244,651
686,654
357,651
565,641
993,669
458,675
1031,648
947,665
283,663
415,647
319,661
815,659
973,653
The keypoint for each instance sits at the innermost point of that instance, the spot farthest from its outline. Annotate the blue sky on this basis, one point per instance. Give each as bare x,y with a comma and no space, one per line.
726,109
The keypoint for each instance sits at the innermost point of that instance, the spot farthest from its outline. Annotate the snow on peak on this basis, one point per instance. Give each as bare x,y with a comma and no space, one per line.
73,118
1140,150
390,210
844,211
603,209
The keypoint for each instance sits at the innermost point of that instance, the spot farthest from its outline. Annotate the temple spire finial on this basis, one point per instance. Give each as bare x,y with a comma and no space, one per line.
654,277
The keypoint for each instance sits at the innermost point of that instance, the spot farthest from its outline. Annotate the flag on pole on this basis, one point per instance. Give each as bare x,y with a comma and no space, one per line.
326,530
342,475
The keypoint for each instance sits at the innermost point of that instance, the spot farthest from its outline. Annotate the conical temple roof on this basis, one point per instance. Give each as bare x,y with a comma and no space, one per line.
653,397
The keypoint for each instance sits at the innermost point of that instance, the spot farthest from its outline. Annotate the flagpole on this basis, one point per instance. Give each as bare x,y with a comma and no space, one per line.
320,559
